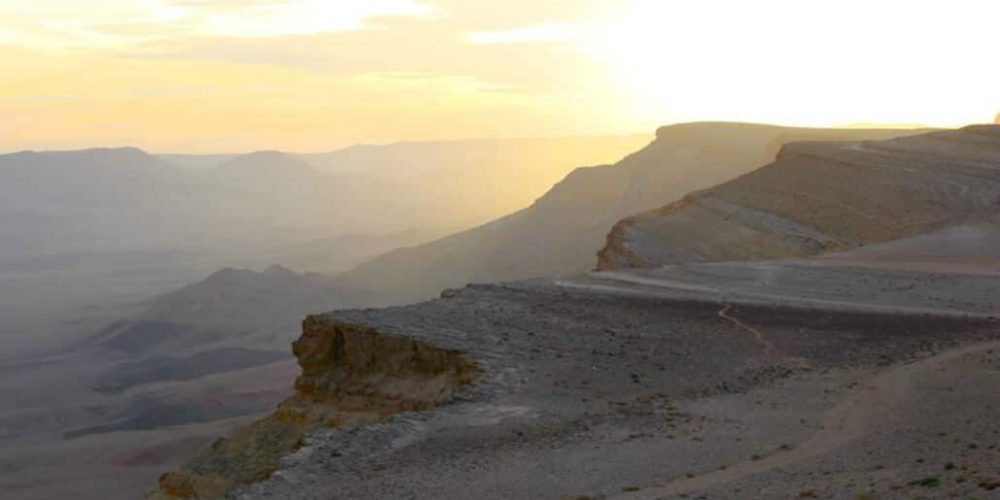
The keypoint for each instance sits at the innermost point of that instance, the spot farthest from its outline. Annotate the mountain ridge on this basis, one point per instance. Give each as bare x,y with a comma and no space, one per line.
563,229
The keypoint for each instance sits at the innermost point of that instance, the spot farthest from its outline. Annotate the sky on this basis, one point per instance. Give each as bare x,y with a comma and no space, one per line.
316,75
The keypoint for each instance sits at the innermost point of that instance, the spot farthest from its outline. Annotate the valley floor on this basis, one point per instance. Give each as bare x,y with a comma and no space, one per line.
61,439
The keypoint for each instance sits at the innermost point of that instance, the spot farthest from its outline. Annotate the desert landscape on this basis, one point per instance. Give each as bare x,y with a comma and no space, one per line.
777,359
813,369
458,249
140,337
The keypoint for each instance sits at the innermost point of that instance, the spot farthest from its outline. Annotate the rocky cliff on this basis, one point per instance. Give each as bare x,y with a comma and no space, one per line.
351,375
818,197
562,230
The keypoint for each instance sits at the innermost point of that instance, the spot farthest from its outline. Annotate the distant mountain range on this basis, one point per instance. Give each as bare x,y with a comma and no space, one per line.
88,233
127,199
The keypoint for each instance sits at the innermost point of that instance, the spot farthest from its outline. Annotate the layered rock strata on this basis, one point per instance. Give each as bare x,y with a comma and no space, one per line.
351,375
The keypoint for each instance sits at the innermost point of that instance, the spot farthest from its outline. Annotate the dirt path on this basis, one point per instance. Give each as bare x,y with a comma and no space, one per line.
755,334
744,295
847,421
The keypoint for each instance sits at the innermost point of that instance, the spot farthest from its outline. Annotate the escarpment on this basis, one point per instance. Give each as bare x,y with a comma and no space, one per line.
562,230
351,375
820,197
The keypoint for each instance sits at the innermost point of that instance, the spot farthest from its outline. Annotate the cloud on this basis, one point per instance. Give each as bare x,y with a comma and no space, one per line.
511,14
299,17
544,33
210,4
55,24
401,45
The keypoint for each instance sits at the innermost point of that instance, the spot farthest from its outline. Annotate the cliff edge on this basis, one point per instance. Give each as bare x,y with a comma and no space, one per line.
351,376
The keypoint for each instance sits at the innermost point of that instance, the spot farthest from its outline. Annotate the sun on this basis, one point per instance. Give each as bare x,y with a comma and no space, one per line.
803,63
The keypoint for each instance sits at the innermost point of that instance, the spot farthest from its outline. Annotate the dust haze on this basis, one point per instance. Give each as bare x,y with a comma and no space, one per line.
553,250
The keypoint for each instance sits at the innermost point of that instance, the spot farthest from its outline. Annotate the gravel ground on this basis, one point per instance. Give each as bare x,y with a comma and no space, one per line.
596,387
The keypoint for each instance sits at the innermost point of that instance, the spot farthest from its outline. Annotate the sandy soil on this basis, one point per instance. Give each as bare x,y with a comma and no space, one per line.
847,428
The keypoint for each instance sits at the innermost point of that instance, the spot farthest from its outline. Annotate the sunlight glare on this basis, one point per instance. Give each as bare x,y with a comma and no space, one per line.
749,61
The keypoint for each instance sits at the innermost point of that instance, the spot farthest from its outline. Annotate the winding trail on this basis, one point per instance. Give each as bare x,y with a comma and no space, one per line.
848,421
755,334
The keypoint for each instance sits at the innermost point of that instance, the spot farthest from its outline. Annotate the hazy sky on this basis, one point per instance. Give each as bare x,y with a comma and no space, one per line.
309,75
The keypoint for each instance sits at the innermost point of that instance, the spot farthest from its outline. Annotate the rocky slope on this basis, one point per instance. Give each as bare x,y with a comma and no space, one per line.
822,197
560,232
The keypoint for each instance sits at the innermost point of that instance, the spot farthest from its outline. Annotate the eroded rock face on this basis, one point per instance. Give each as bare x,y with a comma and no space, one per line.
357,369
351,375
821,197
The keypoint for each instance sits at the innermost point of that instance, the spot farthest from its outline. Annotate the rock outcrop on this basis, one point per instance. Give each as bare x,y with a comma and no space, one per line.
351,375
820,197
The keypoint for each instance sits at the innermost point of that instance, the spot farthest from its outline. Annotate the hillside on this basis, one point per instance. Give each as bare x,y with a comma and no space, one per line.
230,307
822,197
562,230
